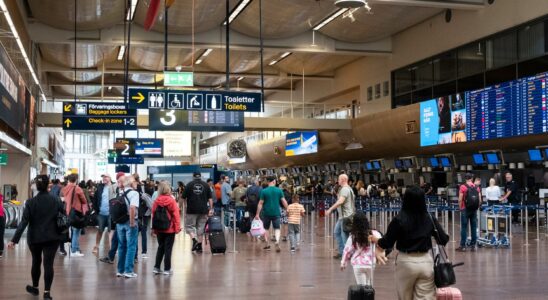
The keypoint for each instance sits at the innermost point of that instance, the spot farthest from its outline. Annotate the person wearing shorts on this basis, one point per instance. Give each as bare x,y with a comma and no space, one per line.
269,204
199,204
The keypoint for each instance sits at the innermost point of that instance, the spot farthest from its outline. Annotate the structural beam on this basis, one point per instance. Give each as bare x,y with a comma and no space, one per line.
448,4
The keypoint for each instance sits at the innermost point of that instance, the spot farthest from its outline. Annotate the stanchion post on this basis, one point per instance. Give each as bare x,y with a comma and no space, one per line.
234,232
538,224
526,225
453,225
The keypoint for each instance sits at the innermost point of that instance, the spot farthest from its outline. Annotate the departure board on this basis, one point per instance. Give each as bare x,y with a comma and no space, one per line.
508,109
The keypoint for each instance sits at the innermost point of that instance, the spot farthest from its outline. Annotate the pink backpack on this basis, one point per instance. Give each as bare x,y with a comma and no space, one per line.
257,228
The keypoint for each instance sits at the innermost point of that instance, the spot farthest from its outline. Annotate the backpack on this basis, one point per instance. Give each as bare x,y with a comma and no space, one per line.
161,220
252,199
118,208
471,200
144,200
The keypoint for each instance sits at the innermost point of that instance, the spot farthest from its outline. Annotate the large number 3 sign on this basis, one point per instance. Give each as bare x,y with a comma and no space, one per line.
169,119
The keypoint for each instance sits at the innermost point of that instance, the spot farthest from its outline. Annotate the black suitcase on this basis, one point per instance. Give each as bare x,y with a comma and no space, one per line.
217,242
361,292
245,225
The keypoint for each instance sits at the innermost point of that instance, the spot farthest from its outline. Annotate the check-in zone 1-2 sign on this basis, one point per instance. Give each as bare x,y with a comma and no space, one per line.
98,116
195,100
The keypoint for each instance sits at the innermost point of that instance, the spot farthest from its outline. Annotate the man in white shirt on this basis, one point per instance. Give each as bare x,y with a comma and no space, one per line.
128,232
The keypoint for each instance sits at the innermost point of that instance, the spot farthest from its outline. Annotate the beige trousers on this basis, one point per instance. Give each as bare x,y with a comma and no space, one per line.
415,276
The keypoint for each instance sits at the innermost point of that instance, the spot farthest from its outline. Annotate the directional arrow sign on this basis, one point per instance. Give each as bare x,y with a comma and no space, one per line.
195,100
98,116
178,79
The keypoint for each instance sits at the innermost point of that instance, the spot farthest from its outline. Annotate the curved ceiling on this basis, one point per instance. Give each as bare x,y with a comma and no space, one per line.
152,58
313,63
91,14
87,56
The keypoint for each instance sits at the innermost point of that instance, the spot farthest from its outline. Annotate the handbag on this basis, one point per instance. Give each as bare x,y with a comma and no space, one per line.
444,273
76,218
62,220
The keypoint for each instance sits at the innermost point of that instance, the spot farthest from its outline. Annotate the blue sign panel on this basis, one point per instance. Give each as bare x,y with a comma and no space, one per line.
129,160
98,116
429,120
301,142
195,100
141,147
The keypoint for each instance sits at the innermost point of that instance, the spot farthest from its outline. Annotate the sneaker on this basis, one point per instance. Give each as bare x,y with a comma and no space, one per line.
33,290
194,245
199,248
157,271
292,249
47,296
130,275
63,253
278,250
267,248
273,239
337,256
118,274
461,249
76,254
168,273
144,255
473,249
106,260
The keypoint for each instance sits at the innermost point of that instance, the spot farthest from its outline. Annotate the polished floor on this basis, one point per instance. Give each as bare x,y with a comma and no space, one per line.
517,273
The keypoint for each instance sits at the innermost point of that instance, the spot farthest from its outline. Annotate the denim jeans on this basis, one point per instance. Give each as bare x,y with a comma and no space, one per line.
294,235
143,229
75,239
240,211
127,239
465,217
340,236
113,245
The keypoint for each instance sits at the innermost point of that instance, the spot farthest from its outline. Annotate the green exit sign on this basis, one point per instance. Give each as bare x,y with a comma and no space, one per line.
178,79
3,159
111,153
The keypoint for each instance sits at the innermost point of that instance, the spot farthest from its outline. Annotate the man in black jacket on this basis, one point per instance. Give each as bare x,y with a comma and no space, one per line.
199,204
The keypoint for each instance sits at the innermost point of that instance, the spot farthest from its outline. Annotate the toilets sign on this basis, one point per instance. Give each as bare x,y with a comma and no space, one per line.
195,100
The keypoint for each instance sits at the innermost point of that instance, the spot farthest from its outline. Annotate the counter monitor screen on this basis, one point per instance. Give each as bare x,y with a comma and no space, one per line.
369,166
535,155
493,158
445,162
478,159
434,162
398,163
376,165
407,163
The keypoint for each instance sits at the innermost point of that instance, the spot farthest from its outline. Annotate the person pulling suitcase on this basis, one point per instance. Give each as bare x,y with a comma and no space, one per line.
199,204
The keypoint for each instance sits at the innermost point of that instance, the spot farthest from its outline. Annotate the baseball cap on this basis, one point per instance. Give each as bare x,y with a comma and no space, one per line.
197,175
106,175
120,174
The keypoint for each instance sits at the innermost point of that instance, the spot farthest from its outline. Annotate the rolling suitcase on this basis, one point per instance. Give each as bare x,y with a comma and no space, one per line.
448,293
363,292
214,224
217,242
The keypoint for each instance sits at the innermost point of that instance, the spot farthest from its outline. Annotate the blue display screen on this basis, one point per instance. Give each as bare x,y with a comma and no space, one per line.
478,159
376,165
398,163
407,163
493,158
445,162
434,162
368,166
512,108
535,155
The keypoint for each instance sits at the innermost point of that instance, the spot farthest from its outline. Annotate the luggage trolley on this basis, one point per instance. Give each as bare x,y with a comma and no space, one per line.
497,224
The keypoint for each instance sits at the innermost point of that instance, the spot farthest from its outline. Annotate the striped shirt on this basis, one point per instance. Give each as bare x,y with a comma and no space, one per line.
294,213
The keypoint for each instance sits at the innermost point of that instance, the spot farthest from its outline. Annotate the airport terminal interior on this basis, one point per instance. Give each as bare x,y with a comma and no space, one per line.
274,149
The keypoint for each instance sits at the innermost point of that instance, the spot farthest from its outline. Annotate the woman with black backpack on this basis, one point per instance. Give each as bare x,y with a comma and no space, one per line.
41,216
166,222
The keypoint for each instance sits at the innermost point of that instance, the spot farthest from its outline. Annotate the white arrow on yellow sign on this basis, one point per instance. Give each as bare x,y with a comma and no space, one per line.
139,98
67,107
67,122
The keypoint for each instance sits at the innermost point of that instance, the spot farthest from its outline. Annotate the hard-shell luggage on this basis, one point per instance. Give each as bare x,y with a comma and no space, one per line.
214,224
245,225
448,293
217,242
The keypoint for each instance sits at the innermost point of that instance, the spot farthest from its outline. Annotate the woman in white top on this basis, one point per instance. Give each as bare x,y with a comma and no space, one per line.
493,193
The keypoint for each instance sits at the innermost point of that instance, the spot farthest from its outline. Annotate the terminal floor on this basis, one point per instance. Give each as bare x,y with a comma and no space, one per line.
312,273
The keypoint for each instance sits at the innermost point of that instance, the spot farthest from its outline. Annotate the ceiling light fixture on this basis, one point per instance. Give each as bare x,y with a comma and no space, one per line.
350,3
282,57
204,54
353,146
240,78
131,10
237,10
121,52
13,29
330,18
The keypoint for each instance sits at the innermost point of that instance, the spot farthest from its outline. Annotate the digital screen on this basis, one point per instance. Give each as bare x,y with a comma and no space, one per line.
493,158
478,159
398,163
369,166
512,108
182,120
407,163
141,147
301,142
434,162
445,162
376,165
546,152
535,155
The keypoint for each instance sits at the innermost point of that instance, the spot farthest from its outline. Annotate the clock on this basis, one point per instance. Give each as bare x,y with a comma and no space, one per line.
237,148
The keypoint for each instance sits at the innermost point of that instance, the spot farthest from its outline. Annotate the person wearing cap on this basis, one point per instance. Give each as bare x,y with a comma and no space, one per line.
100,203
75,199
199,204
40,215
269,200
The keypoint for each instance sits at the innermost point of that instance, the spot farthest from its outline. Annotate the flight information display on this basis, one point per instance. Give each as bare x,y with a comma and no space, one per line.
504,110
182,120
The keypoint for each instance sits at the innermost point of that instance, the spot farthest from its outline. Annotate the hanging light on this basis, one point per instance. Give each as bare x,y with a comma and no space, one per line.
350,3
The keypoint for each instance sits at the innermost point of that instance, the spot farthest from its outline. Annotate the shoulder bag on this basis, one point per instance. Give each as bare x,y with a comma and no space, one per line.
444,273
347,221
62,219
76,218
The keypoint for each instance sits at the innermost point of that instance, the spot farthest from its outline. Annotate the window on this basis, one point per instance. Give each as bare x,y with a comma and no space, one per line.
501,50
385,89
377,91
445,67
471,59
423,75
531,40
403,81
370,93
